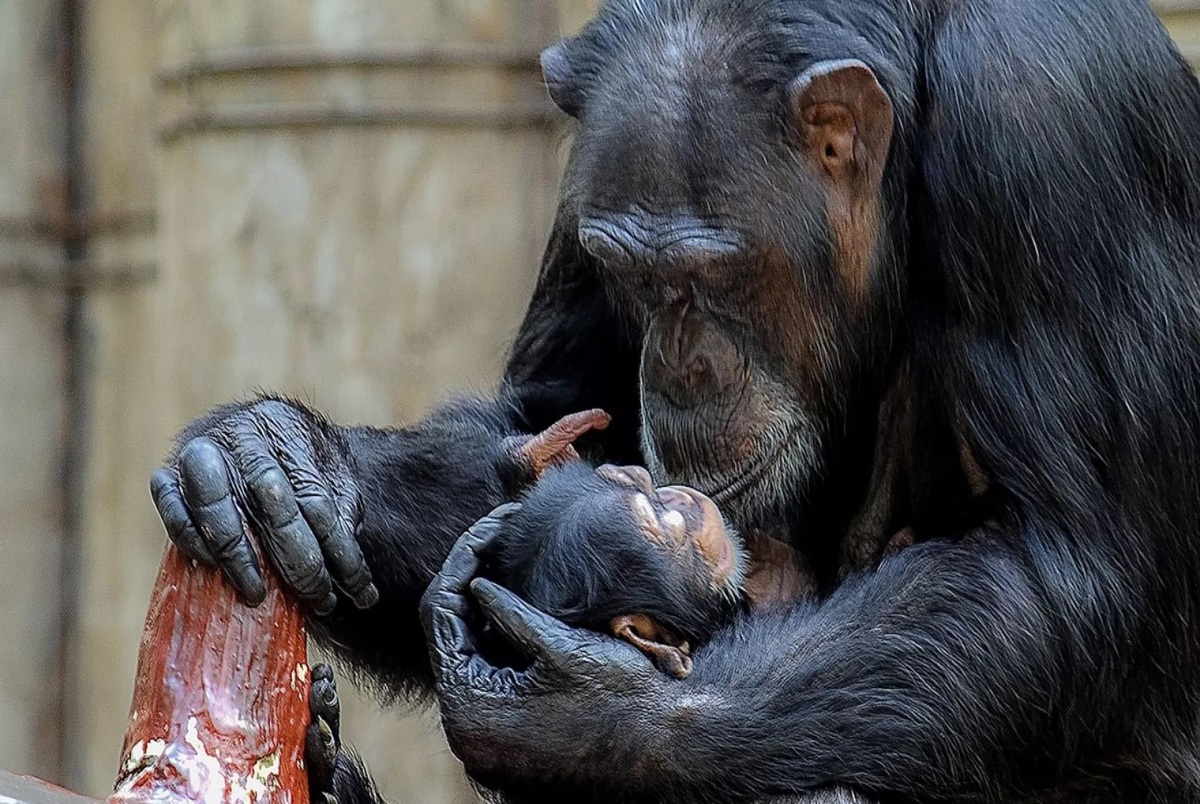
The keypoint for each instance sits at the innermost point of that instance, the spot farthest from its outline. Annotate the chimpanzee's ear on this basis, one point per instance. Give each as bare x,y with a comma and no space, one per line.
844,119
669,653
560,78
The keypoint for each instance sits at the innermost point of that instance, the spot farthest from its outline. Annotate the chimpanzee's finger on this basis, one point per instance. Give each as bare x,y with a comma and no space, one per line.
573,425
536,632
553,445
285,533
164,488
291,542
323,700
208,495
465,557
334,532
320,756
444,604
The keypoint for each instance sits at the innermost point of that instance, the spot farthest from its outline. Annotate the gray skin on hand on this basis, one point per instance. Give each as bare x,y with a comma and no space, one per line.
496,718
274,466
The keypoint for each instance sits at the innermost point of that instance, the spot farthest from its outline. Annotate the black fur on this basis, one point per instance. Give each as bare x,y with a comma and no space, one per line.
1038,273
574,551
1043,201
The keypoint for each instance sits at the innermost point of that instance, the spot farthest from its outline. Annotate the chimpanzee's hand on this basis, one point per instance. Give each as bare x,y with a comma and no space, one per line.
281,467
336,775
573,714
323,740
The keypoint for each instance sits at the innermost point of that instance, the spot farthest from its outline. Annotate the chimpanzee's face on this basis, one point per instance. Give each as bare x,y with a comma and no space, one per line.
685,526
732,205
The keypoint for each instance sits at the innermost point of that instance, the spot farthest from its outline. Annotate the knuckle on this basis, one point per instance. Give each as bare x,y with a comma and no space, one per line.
231,551
425,607
228,546
269,483
353,571
203,478
307,576
162,482
202,458
319,510
306,563
170,508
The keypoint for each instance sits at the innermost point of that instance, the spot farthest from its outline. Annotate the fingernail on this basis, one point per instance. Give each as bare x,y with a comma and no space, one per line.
255,593
368,597
327,605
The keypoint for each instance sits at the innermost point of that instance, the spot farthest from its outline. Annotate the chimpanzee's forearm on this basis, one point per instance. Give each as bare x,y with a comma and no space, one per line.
356,520
421,487
943,676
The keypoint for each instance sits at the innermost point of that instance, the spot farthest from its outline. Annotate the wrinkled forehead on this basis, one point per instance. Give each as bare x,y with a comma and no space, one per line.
671,90
665,66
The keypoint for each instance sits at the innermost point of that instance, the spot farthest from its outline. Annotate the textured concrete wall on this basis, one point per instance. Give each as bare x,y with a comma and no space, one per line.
368,267
31,320
1182,18
369,250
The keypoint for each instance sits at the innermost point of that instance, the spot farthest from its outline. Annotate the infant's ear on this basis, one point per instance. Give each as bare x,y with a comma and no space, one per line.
669,653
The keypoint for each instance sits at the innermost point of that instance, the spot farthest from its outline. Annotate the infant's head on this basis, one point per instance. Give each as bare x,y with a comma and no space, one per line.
602,548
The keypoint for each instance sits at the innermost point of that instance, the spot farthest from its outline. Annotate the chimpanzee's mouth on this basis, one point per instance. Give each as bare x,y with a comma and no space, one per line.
751,478
737,488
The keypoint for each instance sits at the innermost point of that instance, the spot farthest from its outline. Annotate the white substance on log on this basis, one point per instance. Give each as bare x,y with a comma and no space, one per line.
263,779
142,757
299,679
211,782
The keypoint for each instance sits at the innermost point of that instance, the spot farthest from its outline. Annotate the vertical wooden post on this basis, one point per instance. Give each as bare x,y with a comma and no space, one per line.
220,704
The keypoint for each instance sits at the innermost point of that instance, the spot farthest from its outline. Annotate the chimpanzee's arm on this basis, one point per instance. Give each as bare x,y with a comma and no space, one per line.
939,677
954,672
420,487
323,497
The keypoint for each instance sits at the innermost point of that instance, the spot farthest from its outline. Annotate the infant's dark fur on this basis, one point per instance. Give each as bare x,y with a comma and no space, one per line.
593,561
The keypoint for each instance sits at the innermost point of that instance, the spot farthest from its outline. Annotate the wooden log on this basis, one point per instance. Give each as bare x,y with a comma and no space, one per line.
220,703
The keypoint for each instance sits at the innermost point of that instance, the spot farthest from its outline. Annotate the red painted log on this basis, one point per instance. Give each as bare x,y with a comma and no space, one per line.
220,703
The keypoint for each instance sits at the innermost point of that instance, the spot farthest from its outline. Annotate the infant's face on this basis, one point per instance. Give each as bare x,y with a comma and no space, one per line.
682,520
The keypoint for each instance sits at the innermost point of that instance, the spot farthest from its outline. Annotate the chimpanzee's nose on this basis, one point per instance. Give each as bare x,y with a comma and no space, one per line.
679,356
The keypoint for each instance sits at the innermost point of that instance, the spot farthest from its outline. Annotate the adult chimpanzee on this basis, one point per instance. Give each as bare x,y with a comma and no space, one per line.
970,226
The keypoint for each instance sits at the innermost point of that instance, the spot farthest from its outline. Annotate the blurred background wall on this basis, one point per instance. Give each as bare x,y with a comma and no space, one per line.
340,199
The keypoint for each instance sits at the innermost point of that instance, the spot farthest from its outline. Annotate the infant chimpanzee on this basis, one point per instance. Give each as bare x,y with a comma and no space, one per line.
657,567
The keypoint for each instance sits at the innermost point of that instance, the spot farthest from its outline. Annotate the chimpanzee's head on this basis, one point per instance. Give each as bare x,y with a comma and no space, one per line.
728,180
